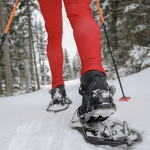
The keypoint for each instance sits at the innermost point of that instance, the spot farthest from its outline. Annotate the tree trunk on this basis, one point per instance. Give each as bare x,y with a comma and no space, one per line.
8,73
140,6
43,73
36,71
40,63
1,90
30,49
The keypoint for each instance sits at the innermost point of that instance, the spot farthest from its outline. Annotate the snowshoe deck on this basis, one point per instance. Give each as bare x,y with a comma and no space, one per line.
113,135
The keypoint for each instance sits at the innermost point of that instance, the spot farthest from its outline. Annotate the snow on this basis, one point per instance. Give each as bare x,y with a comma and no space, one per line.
25,124
131,7
139,28
140,56
120,21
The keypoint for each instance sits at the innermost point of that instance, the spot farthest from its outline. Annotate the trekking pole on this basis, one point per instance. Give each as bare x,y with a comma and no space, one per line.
124,98
8,25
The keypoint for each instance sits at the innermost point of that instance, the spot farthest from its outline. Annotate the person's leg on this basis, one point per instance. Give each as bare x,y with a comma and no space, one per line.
86,34
52,13
97,103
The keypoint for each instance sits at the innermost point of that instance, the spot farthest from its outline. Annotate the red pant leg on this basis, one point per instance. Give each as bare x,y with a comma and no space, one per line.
86,34
52,13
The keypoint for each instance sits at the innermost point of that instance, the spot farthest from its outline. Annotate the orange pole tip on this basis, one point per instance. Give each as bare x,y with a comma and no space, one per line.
124,98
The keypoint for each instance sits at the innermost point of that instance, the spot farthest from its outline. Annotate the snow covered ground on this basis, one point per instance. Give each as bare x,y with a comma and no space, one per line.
25,125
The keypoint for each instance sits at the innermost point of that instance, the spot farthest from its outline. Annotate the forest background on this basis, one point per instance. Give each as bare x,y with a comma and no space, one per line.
23,59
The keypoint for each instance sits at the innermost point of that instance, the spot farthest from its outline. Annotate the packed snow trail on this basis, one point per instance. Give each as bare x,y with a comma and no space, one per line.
25,124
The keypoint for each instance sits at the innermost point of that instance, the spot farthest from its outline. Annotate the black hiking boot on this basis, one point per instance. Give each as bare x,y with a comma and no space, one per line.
97,102
60,100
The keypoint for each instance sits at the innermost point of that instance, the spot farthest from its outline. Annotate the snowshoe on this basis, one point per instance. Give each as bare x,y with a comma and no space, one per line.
97,101
97,105
60,100
108,133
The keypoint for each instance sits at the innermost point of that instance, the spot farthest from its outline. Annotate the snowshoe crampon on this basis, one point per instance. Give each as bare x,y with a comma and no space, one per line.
113,135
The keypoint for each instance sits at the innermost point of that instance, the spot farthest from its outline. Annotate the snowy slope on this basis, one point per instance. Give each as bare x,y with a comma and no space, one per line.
25,125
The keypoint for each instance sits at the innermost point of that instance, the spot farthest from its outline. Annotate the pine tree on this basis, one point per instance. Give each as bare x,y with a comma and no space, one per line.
40,46
25,27
76,65
18,48
127,25
6,53
138,26
23,46
67,75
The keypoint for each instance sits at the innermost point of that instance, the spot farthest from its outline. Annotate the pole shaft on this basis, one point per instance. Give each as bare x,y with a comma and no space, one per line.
113,58
112,54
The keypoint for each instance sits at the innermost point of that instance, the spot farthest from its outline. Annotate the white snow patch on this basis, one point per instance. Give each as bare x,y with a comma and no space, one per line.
139,28
131,7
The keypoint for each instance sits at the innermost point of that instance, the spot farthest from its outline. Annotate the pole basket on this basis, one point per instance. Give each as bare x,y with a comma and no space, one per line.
124,99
